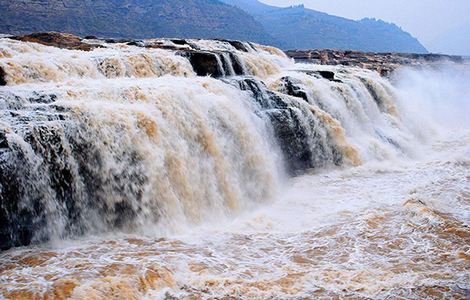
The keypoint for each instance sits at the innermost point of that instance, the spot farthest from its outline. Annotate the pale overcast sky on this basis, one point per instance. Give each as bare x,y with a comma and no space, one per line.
441,25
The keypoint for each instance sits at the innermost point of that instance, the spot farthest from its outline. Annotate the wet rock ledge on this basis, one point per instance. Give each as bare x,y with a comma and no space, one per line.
55,39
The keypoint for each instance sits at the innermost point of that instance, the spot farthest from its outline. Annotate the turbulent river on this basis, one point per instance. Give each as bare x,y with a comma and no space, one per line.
127,173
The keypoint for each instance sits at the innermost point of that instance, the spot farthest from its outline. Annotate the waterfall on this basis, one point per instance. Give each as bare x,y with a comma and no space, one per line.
160,133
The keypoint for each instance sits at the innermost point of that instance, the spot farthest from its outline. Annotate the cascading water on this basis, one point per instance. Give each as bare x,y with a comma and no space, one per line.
100,149
154,137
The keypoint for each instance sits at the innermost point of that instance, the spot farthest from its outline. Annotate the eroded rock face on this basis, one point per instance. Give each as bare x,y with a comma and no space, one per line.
56,39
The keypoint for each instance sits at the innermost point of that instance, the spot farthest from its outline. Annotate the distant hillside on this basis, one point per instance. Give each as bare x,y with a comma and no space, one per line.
132,18
297,27
289,28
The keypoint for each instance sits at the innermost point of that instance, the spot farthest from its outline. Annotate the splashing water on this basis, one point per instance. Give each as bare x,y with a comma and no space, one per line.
134,178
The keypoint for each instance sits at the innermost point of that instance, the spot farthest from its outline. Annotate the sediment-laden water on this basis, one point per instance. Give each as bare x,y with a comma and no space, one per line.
126,173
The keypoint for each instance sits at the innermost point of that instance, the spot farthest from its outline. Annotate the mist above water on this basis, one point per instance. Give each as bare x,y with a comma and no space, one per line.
439,95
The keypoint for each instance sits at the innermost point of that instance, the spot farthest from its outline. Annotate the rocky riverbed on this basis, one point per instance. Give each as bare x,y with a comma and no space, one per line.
384,63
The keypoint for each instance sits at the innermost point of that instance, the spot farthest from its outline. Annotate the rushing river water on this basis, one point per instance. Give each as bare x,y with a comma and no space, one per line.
127,176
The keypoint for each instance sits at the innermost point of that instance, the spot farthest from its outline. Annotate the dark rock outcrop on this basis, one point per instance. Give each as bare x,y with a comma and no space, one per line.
179,42
3,80
204,63
213,63
56,39
327,75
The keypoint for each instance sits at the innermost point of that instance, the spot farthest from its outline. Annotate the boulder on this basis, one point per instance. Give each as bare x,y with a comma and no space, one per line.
56,39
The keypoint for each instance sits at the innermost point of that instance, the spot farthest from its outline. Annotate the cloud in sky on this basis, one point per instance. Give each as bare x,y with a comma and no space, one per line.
428,20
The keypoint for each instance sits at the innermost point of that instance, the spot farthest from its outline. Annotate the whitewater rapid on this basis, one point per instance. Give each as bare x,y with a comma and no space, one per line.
125,174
